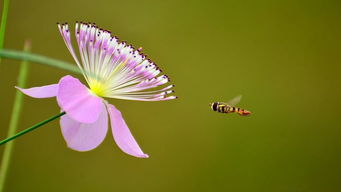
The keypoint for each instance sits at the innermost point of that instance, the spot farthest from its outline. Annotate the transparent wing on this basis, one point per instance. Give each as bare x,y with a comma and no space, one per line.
235,100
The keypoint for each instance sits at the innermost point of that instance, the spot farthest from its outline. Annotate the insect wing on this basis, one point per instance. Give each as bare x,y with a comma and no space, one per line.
233,102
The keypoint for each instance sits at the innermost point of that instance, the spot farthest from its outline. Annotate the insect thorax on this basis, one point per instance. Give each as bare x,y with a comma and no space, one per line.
223,108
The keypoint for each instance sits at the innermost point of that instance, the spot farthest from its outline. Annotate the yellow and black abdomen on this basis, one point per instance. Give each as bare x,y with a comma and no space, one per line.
240,111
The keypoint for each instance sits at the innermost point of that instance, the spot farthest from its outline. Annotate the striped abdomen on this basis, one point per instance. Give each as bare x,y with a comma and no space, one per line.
224,108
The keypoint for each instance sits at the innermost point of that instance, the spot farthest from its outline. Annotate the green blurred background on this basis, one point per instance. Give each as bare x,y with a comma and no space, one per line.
282,56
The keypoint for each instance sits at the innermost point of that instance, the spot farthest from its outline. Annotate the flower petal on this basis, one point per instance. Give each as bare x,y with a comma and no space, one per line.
122,135
77,101
82,136
41,92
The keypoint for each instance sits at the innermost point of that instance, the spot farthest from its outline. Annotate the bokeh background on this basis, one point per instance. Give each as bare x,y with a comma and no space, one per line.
282,56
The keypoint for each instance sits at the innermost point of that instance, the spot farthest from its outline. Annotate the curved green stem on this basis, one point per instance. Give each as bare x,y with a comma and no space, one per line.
32,128
20,55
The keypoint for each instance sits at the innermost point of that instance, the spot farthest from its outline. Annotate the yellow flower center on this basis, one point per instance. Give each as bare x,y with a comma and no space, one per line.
97,87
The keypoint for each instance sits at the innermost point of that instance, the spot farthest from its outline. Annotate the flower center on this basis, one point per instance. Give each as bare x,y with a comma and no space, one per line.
98,88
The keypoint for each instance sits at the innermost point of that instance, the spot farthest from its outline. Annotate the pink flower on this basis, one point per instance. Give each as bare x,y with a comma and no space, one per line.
112,69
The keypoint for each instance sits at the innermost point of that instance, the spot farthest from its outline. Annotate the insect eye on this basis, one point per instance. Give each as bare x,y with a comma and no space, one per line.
214,106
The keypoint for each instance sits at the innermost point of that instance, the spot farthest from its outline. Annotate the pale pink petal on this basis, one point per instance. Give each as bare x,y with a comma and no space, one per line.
41,92
82,136
77,101
122,135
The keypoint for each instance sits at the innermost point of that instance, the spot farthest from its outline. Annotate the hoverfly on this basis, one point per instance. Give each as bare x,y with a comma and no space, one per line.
229,107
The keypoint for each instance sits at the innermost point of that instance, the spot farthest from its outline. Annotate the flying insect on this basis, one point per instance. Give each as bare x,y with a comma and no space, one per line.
229,107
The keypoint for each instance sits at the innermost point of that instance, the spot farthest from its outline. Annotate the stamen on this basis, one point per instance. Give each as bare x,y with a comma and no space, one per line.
114,69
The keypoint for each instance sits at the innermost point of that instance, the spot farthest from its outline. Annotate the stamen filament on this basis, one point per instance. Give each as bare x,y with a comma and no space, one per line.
117,70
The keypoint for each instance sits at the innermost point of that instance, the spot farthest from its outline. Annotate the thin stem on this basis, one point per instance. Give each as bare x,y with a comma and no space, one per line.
32,128
18,100
3,23
34,58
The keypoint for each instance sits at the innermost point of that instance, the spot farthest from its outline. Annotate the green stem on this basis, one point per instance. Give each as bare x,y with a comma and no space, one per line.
32,128
3,23
18,100
34,58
